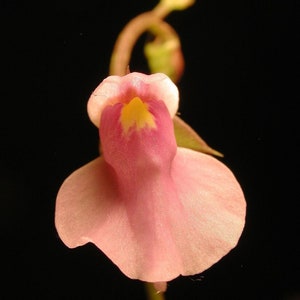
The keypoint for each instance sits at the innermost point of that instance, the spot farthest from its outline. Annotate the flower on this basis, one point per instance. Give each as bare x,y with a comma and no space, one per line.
156,210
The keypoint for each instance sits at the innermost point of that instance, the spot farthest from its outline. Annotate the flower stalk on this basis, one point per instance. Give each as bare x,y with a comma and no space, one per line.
153,291
163,53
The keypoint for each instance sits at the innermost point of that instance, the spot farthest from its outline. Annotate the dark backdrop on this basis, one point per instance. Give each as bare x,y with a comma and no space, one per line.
237,92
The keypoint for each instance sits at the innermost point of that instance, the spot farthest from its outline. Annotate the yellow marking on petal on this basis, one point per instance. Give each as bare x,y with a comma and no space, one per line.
136,113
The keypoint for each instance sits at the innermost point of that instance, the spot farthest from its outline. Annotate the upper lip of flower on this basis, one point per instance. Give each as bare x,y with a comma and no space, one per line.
114,89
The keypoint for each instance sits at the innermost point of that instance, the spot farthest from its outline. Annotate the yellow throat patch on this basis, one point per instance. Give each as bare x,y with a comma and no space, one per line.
136,113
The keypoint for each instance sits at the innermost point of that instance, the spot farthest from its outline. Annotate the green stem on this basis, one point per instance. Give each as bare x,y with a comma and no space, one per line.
152,293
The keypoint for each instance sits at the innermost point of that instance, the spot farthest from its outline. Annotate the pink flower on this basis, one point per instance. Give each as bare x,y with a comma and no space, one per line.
155,209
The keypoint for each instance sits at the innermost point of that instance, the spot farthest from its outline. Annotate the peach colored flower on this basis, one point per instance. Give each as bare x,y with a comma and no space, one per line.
155,209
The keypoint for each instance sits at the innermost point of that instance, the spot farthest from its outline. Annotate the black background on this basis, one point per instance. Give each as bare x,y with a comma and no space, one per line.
237,92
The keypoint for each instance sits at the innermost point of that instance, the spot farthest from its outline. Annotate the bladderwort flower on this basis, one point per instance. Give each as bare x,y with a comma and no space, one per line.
155,209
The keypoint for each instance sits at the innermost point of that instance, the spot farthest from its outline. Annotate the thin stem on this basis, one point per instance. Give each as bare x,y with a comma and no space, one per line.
152,292
126,40
119,63
161,10
120,59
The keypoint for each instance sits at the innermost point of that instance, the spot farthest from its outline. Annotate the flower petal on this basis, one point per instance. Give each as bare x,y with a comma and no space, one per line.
115,89
84,202
134,234
215,210
182,226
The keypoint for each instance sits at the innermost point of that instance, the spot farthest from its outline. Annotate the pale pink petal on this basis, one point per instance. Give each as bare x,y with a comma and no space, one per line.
106,93
115,89
84,202
168,228
215,210
134,232
168,91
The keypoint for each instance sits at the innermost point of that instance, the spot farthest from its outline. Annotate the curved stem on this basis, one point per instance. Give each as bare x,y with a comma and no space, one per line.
161,10
126,40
